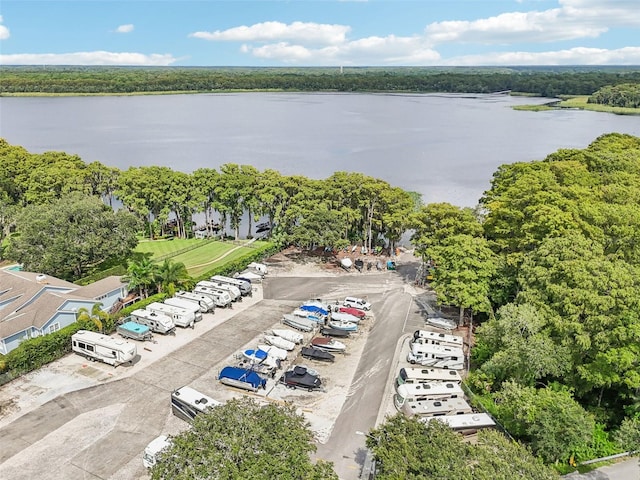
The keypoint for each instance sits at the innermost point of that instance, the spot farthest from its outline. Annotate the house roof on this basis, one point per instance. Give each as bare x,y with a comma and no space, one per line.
28,300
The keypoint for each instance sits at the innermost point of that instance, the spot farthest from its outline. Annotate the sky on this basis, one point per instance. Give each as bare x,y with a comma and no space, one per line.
320,33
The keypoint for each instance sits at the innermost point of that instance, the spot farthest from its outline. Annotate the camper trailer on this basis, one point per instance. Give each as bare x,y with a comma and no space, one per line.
157,322
221,298
155,447
437,338
426,391
187,305
96,346
436,408
181,317
232,290
187,402
205,301
413,375
436,356
242,285
467,424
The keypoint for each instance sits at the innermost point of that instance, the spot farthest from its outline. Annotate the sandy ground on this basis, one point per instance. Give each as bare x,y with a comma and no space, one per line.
320,408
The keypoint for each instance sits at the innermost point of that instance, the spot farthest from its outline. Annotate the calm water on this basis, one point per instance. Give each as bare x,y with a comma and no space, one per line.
444,146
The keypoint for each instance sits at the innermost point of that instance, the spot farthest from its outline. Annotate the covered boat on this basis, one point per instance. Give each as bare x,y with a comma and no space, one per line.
299,377
316,317
440,322
255,355
344,317
320,311
317,354
274,352
330,344
295,337
346,263
242,378
334,332
340,325
279,342
356,312
299,323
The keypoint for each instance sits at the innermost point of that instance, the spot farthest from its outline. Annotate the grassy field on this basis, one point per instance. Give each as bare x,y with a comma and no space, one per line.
201,255
579,102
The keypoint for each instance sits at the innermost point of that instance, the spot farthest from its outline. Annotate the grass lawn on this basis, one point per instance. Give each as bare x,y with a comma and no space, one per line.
158,248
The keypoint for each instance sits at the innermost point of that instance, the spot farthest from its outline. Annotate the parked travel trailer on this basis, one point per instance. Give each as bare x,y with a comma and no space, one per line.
413,375
233,291
157,322
205,301
436,408
426,391
155,447
181,317
187,305
436,356
242,285
466,424
134,331
221,298
187,402
103,348
437,338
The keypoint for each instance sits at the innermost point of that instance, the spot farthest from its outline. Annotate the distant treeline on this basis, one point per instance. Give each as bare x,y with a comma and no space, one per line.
542,81
626,95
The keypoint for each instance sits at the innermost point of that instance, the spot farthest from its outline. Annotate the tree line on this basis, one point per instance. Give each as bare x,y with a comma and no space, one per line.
53,202
541,81
624,95
549,264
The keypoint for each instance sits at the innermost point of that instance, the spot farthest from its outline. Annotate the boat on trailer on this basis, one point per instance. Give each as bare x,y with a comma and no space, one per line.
242,378
279,342
317,354
290,335
334,332
329,344
299,323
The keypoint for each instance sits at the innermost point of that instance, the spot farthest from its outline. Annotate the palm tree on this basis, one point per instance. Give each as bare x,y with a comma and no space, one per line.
141,276
171,274
97,316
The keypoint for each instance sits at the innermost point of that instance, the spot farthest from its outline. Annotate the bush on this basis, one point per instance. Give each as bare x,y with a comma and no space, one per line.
125,312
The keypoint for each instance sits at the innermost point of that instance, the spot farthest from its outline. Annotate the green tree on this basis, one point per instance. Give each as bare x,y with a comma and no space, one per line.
243,439
141,276
170,274
97,318
70,235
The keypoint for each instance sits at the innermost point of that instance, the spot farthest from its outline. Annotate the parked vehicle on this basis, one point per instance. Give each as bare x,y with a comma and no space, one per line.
299,323
340,325
317,354
244,287
275,352
295,337
103,348
334,332
157,322
134,331
433,408
329,344
427,375
426,391
181,317
187,403
248,276
205,301
153,450
232,290
299,377
260,267
356,303
436,356
242,378
441,322
437,338
279,342
187,305
467,423
221,298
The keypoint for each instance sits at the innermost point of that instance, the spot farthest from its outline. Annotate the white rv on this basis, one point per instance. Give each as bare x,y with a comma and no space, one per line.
221,298
413,375
242,285
205,301
155,447
426,391
232,290
466,423
96,346
436,356
187,305
437,408
181,317
437,338
187,403
157,322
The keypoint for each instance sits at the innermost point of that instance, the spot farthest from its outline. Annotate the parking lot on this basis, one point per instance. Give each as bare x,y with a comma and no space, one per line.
76,419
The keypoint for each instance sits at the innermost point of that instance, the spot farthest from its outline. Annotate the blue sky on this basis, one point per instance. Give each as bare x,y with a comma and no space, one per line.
320,33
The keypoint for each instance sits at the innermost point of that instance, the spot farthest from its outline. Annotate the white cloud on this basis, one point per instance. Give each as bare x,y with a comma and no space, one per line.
88,58
303,32
4,31
125,28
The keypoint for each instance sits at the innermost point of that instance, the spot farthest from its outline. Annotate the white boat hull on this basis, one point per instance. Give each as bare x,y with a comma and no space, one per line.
279,342
289,335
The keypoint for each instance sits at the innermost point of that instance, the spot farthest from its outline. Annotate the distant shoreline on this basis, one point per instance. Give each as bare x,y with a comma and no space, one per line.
578,102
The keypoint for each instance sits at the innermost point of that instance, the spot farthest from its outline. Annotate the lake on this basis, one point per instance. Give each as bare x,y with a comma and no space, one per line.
446,147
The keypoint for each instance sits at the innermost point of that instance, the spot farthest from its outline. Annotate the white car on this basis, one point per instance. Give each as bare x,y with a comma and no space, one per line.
356,303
